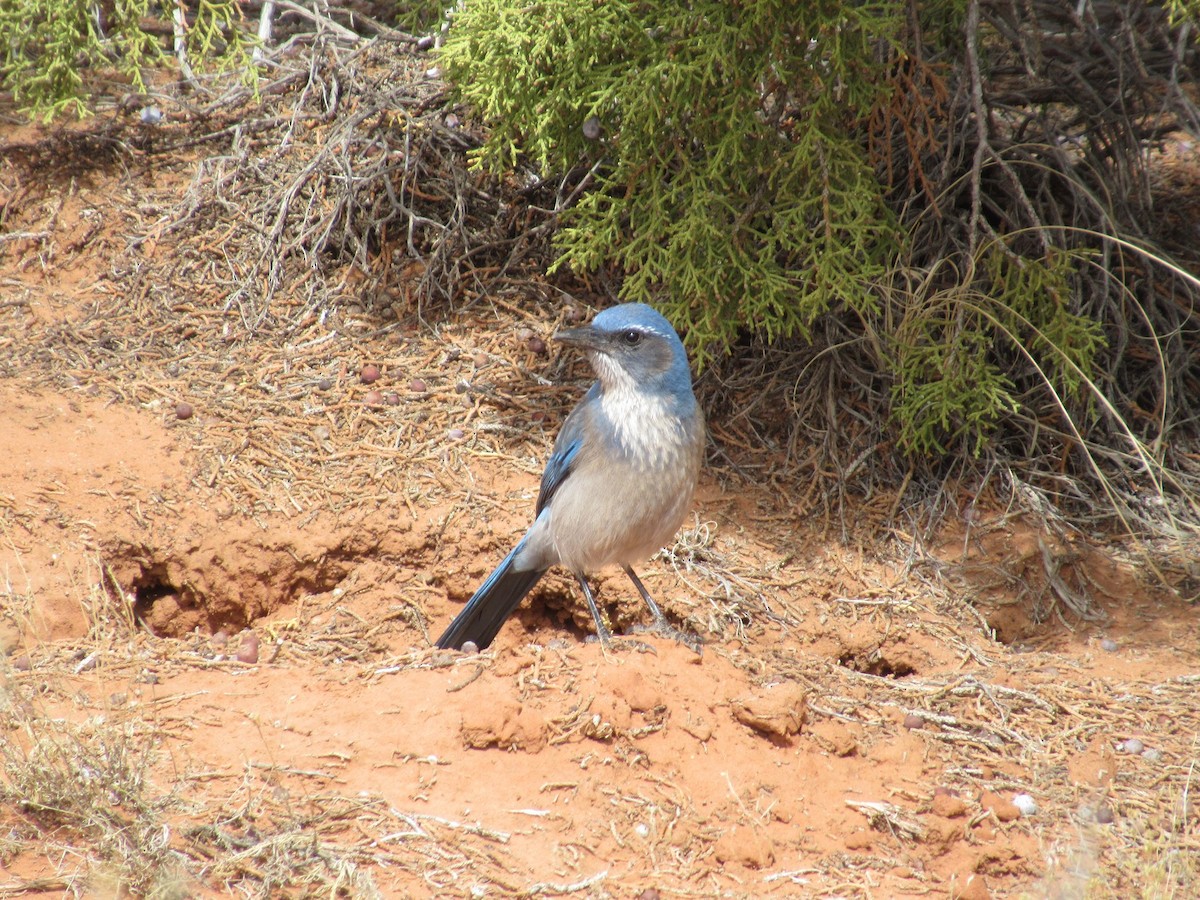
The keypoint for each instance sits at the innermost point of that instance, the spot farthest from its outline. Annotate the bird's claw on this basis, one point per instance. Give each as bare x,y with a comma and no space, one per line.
689,639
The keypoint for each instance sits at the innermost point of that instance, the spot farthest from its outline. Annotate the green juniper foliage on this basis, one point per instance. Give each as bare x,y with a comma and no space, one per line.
51,46
756,166
733,189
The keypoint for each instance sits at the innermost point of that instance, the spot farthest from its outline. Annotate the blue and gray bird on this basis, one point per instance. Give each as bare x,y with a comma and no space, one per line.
619,482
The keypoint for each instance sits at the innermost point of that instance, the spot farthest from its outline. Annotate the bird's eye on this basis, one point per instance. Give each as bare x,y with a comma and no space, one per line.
631,337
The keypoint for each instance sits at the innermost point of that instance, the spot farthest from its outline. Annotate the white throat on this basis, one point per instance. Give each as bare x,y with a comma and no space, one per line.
646,428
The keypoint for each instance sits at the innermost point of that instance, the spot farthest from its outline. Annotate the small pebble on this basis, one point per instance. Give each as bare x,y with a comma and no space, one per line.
641,829
536,345
391,398
324,384
425,41
22,663
1152,754
455,434
417,386
369,373
1104,815
524,335
591,128
373,398
451,121
183,410
1132,745
462,387
435,72
470,647
1108,645
1025,803
248,651
151,115
912,722
220,639
479,358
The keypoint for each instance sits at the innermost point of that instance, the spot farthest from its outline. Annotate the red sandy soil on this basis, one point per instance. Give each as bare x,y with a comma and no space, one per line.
725,774
853,728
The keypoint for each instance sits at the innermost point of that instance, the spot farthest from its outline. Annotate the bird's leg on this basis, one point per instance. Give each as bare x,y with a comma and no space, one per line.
607,642
660,621
661,625
602,632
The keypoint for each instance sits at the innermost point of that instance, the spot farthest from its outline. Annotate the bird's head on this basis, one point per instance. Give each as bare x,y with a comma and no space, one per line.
632,347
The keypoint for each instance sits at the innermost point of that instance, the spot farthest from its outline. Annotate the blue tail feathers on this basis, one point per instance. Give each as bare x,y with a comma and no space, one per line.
485,613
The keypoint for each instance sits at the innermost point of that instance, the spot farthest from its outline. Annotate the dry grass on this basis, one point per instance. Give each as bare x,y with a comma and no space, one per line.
280,247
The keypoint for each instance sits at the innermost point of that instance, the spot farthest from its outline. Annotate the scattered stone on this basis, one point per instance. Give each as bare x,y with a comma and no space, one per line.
1104,815
183,410
369,374
913,722
373,398
22,662
1152,754
391,398
1132,746
324,384
1026,804
417,386
1109,645
536,345
455,434
248,651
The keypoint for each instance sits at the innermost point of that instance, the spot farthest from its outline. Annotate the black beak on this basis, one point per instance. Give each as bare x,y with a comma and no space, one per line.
586,337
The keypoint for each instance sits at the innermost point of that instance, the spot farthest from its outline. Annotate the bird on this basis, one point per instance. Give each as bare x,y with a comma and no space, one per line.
620,477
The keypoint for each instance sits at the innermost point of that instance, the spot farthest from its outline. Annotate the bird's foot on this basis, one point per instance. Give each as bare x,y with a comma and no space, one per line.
689,639
620,644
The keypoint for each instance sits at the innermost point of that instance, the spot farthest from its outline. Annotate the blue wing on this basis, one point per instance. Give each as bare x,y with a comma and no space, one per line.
566,449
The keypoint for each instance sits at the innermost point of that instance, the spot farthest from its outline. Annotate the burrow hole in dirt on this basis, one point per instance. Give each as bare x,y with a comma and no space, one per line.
215,587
